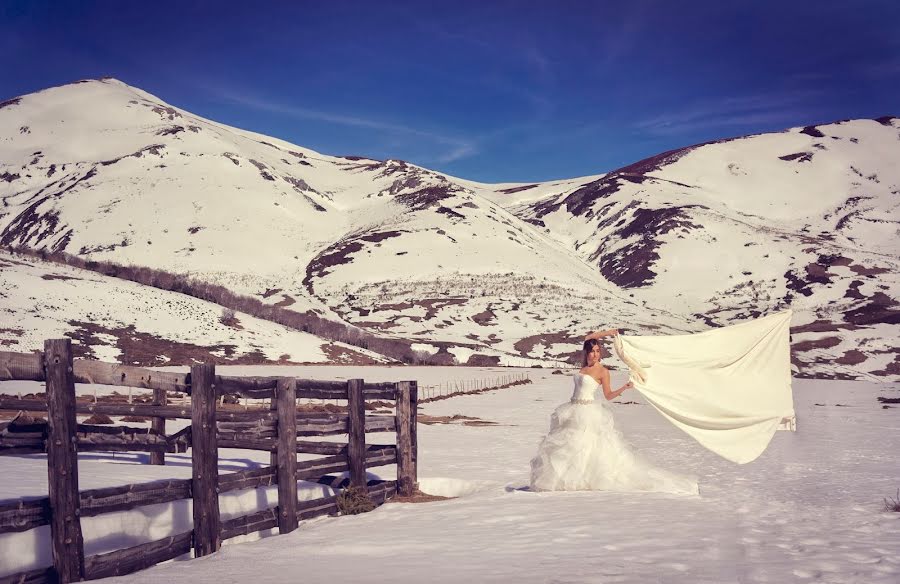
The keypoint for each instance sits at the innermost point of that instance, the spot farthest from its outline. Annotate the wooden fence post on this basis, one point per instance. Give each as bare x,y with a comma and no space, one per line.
413,432
158,424
62,462
406,439
205,460
286,395
356,447
273,406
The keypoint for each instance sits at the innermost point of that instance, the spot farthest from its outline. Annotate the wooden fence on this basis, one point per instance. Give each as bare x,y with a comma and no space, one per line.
454,387
276,430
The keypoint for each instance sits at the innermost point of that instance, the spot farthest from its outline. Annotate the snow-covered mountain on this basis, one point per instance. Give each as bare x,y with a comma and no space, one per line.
467,271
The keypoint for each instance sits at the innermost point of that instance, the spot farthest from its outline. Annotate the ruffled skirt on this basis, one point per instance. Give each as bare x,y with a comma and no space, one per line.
585,452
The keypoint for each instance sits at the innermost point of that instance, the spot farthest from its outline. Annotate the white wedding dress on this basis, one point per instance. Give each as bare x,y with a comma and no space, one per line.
584,451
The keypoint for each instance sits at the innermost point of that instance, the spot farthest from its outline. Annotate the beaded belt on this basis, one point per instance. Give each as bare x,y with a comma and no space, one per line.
582,402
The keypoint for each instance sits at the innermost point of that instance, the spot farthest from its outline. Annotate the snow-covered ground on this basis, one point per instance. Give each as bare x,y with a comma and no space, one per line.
809,509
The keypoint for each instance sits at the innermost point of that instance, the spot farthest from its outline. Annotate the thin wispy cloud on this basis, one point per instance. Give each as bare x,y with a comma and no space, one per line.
456,148
752,110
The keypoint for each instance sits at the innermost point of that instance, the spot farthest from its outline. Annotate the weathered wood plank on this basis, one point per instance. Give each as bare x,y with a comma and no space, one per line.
247,443
24,514
317,507
204,460
265,519
313,469
382,492
108,499
405,481
67,543
262,428
28,514
286,397
382,457
381,424
317,424
137,410
356,444
180,441
413,432
248,479
89,371
318,447
24,366
39,576
139,557
158,424
264,388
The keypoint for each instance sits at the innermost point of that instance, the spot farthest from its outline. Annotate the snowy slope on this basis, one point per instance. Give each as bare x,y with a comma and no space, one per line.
810,509
471,272
120,321
807,218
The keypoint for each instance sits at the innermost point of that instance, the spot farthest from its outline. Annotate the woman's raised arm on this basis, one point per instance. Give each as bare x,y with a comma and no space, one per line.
608,392
601,334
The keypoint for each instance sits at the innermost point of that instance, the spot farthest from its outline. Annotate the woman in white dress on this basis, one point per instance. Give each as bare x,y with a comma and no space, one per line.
584,451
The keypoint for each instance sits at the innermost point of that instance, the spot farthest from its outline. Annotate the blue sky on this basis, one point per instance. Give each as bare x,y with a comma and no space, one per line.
491,91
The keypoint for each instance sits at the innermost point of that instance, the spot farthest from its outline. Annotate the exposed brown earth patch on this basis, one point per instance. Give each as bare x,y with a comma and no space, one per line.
285,301
339,254
146,350
153,149
812,131
630,266
170,131
881,309
263,170
799,157
418,497
851,357
527,344
454,419
485,318
825,343
10,102
425,198
345,356
58,277
479,360
516,189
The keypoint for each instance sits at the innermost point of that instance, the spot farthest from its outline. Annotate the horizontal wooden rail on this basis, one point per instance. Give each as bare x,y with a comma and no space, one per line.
247,479
39,576
128,560
109,499
264,388
24,514
27,367
265,519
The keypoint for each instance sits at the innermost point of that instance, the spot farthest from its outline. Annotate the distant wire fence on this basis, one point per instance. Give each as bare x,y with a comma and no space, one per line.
452,388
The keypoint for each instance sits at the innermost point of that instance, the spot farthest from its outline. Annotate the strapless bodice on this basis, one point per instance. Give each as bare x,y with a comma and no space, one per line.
585,387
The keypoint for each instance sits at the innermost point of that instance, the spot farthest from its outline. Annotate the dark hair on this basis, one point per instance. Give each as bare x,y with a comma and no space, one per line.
588,347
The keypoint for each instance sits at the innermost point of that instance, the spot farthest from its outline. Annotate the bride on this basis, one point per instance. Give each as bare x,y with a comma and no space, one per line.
585,451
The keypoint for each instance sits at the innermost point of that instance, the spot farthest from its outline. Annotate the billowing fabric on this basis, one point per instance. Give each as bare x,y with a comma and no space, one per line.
729,387
584,451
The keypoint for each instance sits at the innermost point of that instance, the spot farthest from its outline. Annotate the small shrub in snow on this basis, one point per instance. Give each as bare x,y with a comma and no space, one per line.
891,504
354,500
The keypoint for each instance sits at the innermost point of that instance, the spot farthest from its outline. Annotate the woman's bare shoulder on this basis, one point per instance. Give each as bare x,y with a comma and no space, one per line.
598,372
